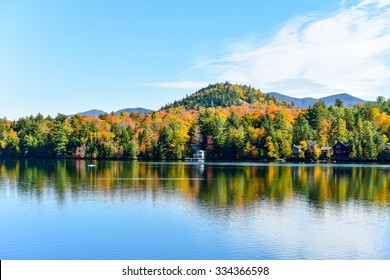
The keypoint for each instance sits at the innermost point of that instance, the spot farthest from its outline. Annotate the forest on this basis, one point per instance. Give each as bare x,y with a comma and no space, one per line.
230,122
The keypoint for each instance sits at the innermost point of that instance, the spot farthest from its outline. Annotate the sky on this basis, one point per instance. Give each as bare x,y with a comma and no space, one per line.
71,56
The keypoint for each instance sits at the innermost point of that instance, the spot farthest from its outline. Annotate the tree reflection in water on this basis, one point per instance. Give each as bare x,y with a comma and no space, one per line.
212,184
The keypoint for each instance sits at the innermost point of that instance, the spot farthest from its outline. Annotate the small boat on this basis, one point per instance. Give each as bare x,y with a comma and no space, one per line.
91,165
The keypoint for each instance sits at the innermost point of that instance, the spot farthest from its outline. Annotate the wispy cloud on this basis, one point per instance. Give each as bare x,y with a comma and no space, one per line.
347,51
178,84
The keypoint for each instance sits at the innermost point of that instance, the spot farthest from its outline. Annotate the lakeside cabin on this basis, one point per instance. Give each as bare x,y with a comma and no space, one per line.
199,156
326,152
341,150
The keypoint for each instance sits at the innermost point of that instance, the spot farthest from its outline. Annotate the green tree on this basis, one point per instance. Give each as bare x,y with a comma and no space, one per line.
339,103
317,116
302,130
369,147
233,120
133,150
272,148
60,134
164,144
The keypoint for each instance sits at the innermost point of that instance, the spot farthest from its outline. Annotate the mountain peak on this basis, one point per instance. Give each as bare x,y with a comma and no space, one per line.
223,95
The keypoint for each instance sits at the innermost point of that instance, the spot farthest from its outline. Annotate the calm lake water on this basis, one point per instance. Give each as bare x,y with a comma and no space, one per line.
137,210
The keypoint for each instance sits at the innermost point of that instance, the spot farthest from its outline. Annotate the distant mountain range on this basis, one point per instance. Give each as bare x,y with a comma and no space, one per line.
96,112
226,95
348,100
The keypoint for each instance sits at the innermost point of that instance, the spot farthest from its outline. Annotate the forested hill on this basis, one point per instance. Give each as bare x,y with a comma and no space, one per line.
224,95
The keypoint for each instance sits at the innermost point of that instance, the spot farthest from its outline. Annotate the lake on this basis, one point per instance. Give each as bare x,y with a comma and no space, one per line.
154,210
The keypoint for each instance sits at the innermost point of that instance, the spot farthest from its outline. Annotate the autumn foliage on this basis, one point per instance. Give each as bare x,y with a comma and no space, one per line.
261,129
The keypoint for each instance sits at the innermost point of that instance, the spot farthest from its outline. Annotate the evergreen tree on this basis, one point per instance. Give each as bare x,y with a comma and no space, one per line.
301,130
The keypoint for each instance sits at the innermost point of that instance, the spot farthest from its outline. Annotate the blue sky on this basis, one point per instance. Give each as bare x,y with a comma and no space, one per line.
71,56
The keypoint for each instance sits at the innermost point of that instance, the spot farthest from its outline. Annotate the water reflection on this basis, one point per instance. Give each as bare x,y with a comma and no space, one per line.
214,185
152,210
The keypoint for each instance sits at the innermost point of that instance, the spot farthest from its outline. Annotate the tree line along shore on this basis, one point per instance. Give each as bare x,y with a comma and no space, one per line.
262,128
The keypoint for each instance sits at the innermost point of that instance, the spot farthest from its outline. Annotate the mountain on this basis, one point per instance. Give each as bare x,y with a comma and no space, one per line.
96,112
91,113
349,100
299,102
133,110
224,95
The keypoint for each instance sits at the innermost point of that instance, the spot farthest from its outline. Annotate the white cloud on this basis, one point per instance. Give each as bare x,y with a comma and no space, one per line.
378,3
347,51
178,84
